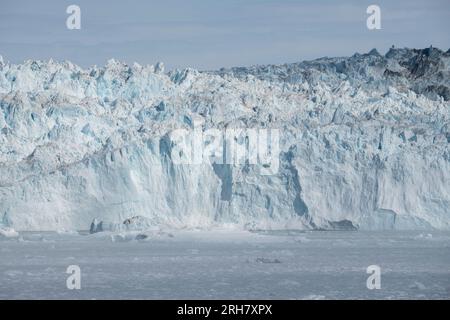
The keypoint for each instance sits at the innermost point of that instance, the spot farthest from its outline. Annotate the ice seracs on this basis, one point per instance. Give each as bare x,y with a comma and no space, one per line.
364,144
135,223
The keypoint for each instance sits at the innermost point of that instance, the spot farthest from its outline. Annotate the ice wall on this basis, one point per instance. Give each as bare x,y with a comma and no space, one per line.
364,143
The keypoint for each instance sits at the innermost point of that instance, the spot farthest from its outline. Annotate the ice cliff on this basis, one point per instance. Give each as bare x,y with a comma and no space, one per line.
364,144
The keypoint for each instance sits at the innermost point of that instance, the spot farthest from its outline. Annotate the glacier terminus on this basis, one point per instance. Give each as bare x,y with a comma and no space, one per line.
364,144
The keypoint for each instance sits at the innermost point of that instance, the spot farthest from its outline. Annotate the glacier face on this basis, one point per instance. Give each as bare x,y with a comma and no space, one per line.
364,143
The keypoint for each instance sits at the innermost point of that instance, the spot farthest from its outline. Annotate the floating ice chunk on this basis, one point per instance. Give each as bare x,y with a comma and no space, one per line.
314,297
141,236
267,260
121,238
424,236
417,285
7,232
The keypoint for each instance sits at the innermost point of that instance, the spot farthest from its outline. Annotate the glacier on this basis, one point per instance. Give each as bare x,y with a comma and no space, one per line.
364,144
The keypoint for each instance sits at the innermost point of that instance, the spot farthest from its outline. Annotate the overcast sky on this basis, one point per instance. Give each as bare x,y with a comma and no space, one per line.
209,34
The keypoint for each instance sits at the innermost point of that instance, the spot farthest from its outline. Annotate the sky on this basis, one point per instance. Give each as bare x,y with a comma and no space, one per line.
209,34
